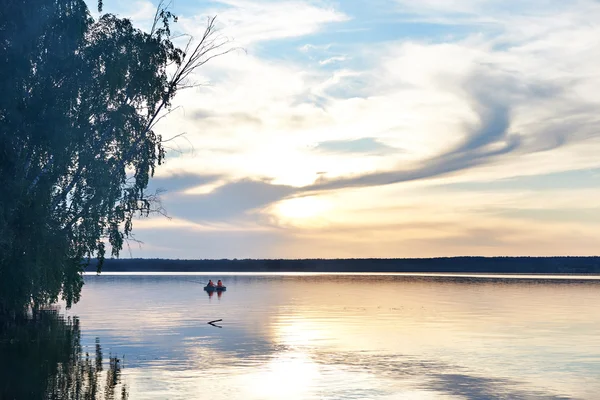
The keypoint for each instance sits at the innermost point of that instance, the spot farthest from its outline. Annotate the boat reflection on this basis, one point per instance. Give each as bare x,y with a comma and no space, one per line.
212,292
42,358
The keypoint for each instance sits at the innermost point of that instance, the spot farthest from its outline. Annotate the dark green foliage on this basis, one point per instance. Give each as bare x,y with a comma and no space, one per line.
42,358
78,102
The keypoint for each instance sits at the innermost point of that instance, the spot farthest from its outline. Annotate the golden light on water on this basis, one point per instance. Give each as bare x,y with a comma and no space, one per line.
290,376
298,331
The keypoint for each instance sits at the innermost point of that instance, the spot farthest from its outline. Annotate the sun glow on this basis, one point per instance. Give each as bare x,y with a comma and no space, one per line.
300,208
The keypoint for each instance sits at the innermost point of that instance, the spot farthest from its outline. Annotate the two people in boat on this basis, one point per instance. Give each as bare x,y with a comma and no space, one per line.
211,284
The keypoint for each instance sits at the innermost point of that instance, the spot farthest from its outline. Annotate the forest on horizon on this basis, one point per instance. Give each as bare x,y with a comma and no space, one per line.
473,264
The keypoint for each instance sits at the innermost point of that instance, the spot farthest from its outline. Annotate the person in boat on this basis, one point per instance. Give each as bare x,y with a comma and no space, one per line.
210,283
219,283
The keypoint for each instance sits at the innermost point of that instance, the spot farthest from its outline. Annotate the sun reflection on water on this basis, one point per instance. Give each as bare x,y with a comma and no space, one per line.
291,375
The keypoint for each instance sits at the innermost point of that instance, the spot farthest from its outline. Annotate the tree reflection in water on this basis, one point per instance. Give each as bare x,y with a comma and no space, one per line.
41,358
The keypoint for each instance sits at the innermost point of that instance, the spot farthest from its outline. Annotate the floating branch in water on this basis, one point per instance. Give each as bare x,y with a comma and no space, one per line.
213,323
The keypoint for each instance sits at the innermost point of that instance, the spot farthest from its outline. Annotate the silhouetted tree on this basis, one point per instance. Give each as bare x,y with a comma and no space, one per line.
79,100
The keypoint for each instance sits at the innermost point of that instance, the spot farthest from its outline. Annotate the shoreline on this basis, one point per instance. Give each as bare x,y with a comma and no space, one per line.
457,275
449,265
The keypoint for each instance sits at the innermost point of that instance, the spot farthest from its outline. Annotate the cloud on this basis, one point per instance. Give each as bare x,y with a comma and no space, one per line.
180,181
250,22
140,12
312,47
578,215
571,180
474,240
366,145
189,243
215,118
332,60
490,14
472,111
487,140
230,202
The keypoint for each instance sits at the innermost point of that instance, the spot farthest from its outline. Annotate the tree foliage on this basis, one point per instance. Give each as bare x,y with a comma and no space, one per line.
79,99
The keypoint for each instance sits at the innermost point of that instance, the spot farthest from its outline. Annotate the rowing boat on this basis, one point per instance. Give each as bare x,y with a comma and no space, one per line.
215,288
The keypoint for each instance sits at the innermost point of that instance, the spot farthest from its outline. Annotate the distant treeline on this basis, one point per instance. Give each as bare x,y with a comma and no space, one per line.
573,265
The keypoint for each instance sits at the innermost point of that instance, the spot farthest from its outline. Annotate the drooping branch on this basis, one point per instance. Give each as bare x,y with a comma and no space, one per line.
39,176
208,47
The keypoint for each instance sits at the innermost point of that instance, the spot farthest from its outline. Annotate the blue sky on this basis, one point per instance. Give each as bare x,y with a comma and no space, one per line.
383,129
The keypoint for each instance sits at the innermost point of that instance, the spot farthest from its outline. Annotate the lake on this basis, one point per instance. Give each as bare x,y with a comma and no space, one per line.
354,336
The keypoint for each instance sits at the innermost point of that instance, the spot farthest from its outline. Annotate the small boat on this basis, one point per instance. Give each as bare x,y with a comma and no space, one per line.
215,288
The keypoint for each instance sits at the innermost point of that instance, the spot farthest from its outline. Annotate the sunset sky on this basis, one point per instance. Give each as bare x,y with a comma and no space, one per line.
387,128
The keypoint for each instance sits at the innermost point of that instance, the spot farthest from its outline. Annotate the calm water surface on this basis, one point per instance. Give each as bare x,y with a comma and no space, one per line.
347,337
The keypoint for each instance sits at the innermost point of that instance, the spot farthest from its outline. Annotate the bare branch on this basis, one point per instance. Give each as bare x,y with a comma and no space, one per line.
156,14
131,238
163,116
173,138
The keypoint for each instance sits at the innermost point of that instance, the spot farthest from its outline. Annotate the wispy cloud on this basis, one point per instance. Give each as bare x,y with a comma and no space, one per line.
488,139
356,146
332,60
250,22
312,47
141,12
180,182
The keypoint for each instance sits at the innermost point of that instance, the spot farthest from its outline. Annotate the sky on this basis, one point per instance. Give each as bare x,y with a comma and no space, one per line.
388,128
